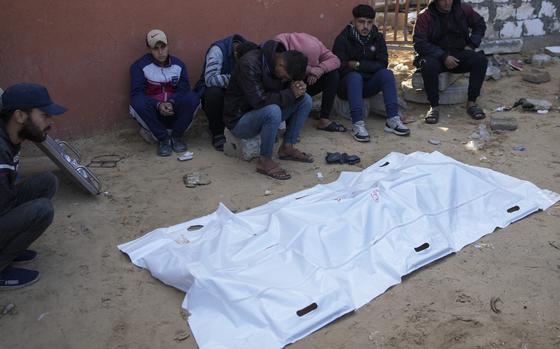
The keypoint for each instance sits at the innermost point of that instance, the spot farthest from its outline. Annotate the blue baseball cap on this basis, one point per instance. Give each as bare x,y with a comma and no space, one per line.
28,96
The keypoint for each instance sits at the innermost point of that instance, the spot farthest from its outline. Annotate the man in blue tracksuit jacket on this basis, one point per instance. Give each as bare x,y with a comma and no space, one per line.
161,95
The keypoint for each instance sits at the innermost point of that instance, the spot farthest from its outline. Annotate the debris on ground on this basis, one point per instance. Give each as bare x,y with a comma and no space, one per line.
193,179
493,302
540,59
519,147
9,308
181,336
503,124
434,141
516,64
532,104
267,192
188,155
552,50
536,76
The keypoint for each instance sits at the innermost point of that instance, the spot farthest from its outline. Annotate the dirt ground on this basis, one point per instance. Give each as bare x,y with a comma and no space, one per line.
91,296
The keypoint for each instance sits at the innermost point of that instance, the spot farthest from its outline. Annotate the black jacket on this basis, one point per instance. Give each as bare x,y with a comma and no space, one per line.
9,160
253,84
372,56
427,33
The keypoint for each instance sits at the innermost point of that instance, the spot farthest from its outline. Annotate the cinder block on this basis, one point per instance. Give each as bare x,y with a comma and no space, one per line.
525,11
246,149
454,94
511,30
503,124
444,79
534,27
491,47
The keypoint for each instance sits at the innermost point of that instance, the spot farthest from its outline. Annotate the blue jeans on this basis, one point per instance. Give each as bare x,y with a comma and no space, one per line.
355,88
266,120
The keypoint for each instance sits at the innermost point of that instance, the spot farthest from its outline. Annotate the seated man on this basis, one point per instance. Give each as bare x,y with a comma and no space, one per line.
266,88
161,96
321,73
363,72
445,35
218,65
26,210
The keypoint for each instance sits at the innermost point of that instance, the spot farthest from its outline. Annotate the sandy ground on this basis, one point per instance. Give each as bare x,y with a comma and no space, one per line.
91,296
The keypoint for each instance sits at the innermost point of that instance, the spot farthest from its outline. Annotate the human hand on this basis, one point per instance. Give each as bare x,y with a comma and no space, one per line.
468,47
451,62
298,88
166,109
317,71
311,79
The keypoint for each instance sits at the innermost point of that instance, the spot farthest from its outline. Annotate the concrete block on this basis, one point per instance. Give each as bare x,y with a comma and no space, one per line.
525,11
504,12
491,47
534,27
454,94
551,50
445,79
245,149
503,123
342,108
511,30
548,9
536,76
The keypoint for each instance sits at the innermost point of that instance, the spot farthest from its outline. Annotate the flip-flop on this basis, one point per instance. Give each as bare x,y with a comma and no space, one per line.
338,158
275,172
476,112
296,155
432,117
333,126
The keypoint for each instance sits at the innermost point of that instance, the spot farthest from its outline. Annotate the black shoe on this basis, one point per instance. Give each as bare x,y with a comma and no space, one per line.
178,145
164,147
12,278
25,256
218,142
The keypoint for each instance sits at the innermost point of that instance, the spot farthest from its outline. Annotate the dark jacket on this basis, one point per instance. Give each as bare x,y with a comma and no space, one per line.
9,160
372,56
427,30
253,84
226,46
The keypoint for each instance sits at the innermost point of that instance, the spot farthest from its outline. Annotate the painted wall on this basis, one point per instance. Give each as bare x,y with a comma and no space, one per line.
519,18
82,50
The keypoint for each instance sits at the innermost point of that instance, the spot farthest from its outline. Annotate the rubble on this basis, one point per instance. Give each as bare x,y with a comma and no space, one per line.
503,124
536,76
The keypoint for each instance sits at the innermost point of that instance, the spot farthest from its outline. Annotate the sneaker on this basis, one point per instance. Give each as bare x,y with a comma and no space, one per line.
359,131
12,278
178,145
25,256
396,126
164,147
218,142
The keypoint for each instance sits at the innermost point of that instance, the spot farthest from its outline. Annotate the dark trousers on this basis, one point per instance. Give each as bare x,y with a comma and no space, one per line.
328,84
213,105
354,88
184,108
29,216
471,62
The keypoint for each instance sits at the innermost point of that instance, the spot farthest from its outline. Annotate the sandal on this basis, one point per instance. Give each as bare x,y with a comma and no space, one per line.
296,155
333,126
275,172
476,112
432,116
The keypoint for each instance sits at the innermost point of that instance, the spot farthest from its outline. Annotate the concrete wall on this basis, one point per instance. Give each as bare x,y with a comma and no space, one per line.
82,50
519,18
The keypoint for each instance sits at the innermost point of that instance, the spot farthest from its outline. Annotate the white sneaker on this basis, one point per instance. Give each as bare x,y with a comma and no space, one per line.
396,126
359,131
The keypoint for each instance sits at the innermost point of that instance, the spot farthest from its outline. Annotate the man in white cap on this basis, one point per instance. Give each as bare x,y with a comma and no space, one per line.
161,95
26,210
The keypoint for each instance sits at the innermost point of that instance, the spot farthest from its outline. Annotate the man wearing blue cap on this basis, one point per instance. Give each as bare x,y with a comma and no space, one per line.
26,210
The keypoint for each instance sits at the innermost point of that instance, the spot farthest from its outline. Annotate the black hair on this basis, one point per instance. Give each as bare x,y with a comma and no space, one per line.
363,10
6,114
245,47
296,64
